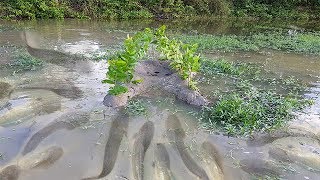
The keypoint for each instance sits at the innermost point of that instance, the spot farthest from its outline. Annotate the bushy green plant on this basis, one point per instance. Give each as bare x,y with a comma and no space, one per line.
181,56
121,67
31,9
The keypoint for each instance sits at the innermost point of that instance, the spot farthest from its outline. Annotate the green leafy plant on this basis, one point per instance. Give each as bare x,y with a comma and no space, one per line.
181,56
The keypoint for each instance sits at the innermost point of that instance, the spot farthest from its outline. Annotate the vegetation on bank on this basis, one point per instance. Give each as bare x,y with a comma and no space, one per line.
181,57
291,41
254,102
133,9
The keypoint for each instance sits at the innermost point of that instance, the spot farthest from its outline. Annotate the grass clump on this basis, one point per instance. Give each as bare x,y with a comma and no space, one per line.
251,110
136,108
222,66
251,100
299,42
25,62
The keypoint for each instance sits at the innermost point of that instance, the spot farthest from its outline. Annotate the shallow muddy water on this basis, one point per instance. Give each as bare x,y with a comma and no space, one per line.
53,124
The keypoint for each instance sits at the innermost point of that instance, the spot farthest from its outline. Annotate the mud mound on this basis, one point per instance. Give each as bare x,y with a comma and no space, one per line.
157,74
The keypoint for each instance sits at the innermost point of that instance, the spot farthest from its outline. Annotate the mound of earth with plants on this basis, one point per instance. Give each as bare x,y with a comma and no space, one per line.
157,75
130,77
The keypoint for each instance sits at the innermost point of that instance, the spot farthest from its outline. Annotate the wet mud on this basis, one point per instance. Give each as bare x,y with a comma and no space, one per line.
261,167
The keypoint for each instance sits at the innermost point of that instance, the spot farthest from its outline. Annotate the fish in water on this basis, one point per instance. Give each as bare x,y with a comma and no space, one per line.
69,121
140,147
162,163
117,131
176,134
42,159
73,62
10,173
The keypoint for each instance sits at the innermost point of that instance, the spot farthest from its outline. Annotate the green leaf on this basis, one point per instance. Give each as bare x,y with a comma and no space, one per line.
108,81
137,81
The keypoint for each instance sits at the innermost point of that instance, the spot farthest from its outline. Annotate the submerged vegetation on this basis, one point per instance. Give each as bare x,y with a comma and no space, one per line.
24,62
133,9
250,106
291,41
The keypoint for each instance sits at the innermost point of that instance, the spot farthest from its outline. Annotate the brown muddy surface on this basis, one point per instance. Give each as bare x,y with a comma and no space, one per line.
54,126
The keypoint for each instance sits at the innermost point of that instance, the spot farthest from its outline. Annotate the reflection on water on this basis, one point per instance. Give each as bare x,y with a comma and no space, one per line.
55,114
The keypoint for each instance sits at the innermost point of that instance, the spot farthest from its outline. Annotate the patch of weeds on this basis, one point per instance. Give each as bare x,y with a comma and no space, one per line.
291,41
250,109
25,62
136,108
221,66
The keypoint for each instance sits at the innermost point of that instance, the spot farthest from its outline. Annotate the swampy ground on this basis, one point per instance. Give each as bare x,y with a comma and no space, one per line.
53,124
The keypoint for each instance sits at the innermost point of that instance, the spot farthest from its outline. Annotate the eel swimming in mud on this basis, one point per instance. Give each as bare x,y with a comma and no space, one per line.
10,173
140,147
214,156
68,122
118,129
176,134
162,163
42,159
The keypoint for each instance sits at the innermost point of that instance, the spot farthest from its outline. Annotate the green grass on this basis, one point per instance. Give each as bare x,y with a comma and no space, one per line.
136,108
24,62
222,66
302,42
253,102
251,110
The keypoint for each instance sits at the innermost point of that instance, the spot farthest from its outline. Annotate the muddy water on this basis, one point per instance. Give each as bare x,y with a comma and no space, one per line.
53,124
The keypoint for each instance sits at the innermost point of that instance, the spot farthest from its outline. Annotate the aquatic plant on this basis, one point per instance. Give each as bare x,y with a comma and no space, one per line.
181,56
214,66
24,62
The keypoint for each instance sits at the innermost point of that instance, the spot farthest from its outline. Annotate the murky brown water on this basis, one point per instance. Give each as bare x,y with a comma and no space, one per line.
54,125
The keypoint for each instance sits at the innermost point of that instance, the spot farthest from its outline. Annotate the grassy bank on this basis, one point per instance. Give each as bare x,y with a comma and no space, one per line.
161,9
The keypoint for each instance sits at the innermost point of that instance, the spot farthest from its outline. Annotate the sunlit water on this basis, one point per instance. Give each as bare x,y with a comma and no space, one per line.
46,97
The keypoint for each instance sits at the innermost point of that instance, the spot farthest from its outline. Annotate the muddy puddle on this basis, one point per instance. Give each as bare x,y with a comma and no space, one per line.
53,124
